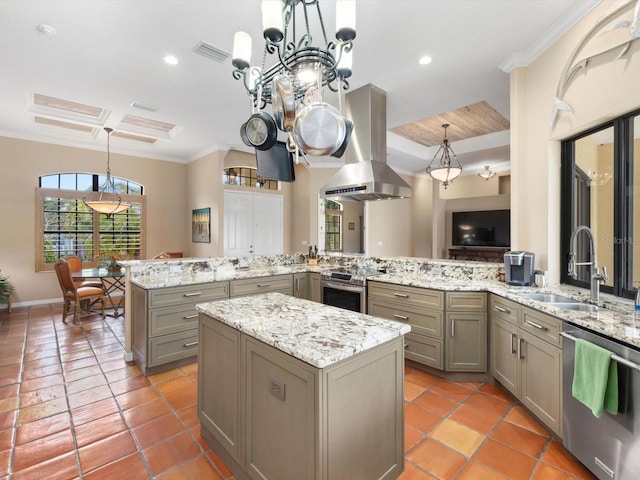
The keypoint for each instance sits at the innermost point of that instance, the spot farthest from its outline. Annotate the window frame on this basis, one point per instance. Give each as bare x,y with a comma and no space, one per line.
623,168
43,193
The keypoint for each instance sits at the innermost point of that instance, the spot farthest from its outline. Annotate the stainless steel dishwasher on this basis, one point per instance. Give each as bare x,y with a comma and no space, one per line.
609,446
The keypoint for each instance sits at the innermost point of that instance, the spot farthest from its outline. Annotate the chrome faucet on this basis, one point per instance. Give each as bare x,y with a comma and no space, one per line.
596,277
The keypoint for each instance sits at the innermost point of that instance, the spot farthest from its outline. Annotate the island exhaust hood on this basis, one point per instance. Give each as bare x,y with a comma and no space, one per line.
366,175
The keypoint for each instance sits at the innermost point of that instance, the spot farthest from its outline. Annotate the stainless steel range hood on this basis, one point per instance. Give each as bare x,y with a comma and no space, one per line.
366,175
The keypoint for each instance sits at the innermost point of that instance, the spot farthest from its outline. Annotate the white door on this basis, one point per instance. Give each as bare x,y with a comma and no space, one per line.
252,224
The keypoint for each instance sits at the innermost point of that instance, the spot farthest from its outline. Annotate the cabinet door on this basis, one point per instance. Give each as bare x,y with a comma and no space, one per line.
301,287
466,342
504,356
280,416
540,379
219,384
315,290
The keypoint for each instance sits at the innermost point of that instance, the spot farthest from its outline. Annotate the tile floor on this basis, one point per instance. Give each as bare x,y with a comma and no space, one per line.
71,407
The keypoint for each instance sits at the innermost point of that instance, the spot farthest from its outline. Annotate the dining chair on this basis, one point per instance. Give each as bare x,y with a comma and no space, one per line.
161,255
72,293
75,263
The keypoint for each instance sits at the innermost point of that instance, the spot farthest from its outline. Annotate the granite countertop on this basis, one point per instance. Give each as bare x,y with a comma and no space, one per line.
616,320
152,280
314,333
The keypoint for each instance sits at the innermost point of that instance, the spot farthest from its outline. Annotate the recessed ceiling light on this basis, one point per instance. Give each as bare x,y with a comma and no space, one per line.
170,60
426,60
46,29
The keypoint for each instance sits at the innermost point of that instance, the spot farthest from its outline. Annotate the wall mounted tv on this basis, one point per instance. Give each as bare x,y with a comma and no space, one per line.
276,163
485,228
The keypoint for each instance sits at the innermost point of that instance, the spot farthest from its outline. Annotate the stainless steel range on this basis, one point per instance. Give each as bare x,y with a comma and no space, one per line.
344,288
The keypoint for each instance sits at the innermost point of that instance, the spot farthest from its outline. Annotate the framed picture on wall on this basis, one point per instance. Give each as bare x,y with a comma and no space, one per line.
201,225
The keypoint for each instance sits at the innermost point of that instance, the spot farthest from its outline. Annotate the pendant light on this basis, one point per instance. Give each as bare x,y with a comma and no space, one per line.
445,172
487,173
107,199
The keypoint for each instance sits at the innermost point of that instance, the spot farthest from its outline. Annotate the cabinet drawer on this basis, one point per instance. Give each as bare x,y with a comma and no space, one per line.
175,346
542,326
174,319
206,292
425,321
425,350
251,286
467,301
403,295
504,309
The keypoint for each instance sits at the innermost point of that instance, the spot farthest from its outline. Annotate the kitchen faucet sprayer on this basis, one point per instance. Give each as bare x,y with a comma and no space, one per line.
596,276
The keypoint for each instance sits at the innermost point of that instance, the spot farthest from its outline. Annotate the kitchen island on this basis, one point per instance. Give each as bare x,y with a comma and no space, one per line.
292,389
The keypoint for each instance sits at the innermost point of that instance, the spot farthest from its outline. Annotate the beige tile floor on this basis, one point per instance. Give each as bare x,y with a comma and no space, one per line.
71,407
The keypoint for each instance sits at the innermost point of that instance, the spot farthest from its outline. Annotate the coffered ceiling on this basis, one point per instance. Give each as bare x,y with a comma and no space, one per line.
69,68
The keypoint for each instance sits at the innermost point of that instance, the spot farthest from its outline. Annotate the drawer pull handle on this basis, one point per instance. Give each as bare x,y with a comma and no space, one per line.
401,317
190,344
406,346
189,317
511,345
194,294
536,325
262,285
401,295
500,309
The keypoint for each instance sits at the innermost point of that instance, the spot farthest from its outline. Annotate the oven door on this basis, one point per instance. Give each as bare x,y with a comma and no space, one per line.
349,297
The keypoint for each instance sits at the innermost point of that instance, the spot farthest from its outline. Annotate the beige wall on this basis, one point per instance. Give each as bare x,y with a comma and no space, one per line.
24,161
205,190
422,216
606,89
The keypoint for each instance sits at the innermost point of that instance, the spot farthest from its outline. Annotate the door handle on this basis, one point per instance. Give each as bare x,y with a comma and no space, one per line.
521,349
453,327
511,345
536,325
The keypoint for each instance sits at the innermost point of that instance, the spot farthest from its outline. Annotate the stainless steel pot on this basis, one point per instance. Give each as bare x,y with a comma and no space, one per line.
347,136
319,129
261,131
283,102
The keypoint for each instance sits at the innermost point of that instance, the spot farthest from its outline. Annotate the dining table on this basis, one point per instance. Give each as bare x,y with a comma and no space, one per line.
113,281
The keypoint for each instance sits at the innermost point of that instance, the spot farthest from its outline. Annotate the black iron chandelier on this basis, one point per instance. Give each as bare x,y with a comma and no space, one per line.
287,30
445,171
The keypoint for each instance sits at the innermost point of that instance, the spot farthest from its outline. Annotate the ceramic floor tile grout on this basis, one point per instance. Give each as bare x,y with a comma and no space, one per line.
95,332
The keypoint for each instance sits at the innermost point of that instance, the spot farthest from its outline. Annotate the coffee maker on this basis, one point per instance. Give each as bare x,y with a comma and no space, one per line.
518,268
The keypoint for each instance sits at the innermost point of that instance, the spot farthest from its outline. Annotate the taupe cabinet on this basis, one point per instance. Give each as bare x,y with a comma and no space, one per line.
448,330
253,286
271,416
302,285
165,323
466,332
307,286
526,358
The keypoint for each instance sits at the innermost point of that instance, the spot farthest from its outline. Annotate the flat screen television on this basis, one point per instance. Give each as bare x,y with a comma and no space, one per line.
484,228
276,163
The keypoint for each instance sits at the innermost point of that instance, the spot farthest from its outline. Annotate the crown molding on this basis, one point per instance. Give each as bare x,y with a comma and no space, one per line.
548,38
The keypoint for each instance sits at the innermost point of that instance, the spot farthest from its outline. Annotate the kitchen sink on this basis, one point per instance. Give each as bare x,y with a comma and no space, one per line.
549,298
581,307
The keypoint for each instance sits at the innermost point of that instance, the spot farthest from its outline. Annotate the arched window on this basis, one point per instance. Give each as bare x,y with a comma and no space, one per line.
247,177
68,226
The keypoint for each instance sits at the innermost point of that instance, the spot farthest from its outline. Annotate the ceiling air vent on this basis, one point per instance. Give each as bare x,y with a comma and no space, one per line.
207,50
